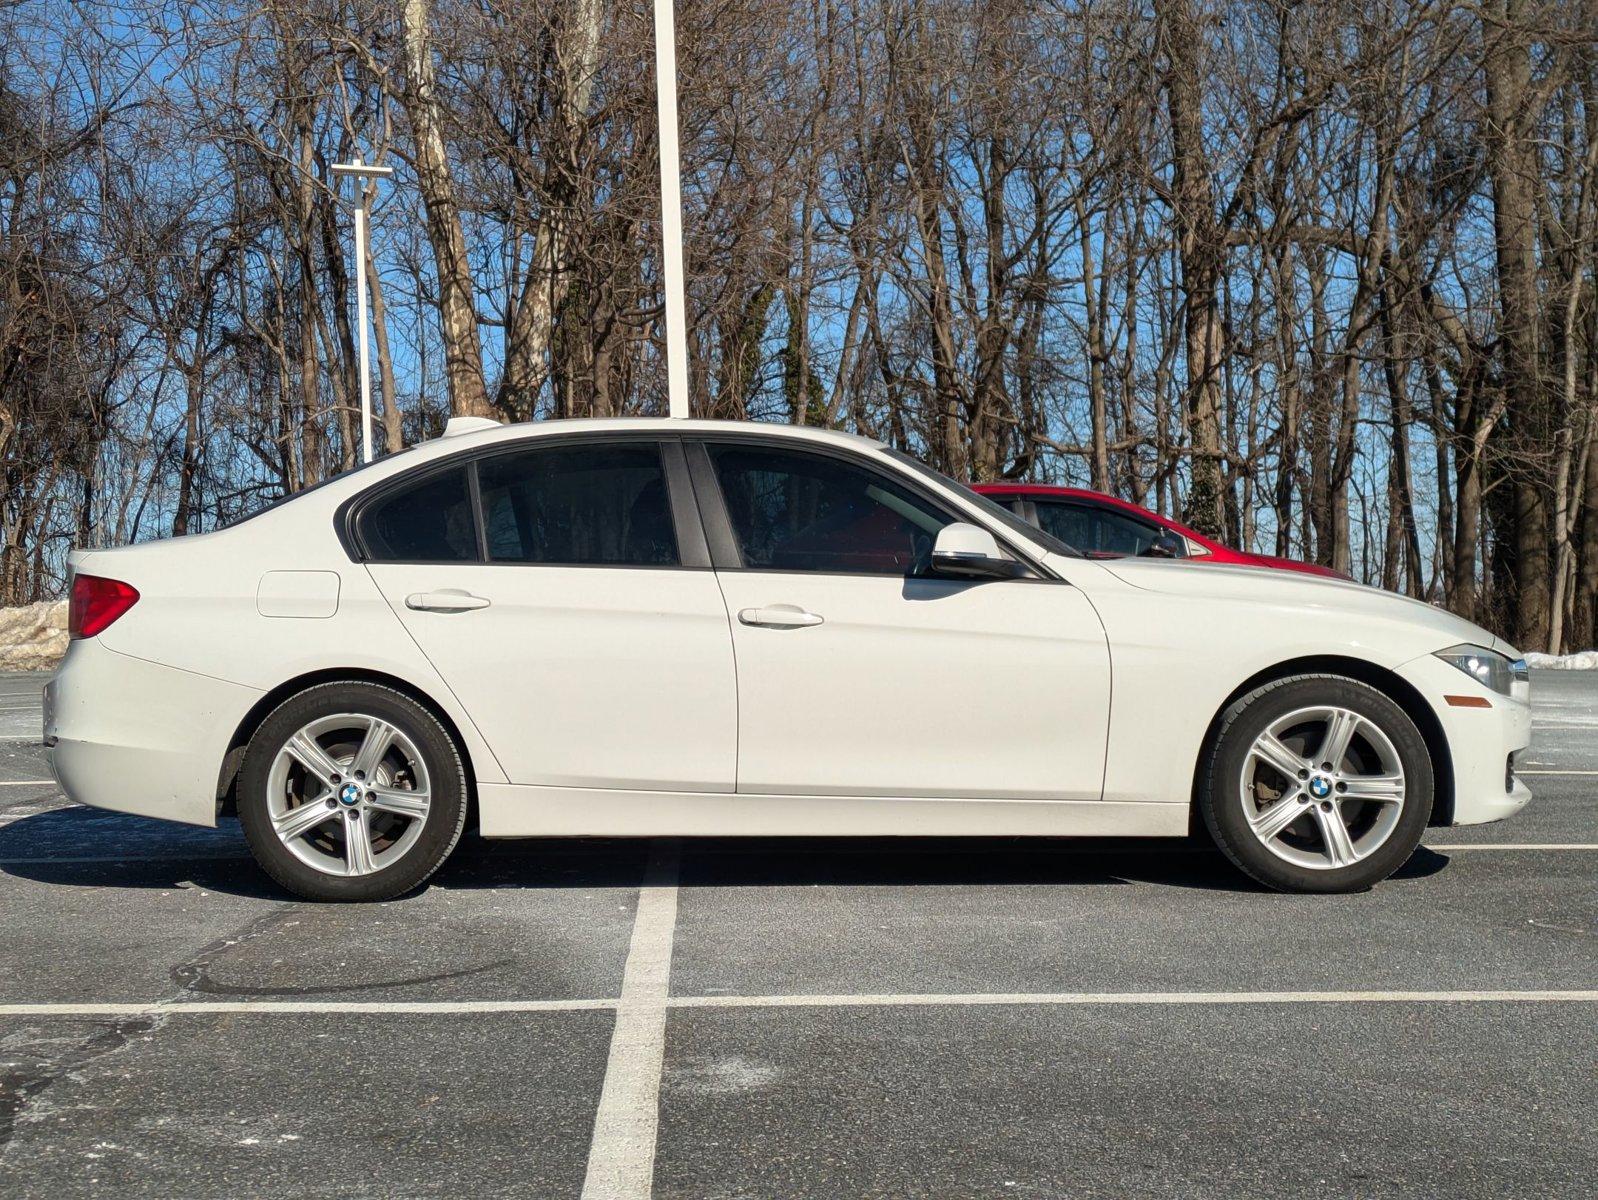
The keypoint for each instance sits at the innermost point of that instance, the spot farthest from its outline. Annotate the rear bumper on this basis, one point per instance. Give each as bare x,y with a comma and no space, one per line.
137,737
1480,740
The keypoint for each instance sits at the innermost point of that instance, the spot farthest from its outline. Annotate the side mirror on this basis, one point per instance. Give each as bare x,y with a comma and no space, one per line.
965,551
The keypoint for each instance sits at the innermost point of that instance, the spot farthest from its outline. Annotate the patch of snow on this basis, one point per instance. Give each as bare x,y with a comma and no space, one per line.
33,637
1582,660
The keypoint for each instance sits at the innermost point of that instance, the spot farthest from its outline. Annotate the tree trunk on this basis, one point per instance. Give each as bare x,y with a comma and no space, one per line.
1099,462
1201,253
313,432
457,312
532,320
1513,163
393,419
186,517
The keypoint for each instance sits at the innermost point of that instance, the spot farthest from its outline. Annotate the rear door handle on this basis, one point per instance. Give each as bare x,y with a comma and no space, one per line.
779,616
445,600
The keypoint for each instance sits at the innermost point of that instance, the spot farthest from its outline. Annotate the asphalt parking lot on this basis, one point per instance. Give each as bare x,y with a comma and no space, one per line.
822,1018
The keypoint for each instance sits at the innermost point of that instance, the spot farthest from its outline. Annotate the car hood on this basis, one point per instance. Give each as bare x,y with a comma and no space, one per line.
1334,595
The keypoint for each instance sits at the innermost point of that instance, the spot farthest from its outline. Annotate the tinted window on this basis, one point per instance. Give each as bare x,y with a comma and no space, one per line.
796,511
1097,530
599,504
430,521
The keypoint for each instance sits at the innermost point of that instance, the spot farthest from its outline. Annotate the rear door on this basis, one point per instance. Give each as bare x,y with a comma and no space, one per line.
562,588
860,675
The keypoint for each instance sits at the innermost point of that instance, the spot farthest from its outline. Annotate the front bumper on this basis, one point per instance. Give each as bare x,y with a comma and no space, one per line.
137,737
1480,740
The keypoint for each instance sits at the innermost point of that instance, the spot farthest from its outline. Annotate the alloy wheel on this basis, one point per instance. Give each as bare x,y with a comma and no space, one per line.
1323,787
348,794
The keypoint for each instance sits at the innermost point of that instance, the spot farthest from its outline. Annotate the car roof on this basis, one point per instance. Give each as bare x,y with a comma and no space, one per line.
646,425
1046,489
476,436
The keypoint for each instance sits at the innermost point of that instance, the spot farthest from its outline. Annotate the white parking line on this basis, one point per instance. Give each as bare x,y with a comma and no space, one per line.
1513,846
51,782
80,859
1518,771
301,1008
634,1166
621,1157
11,816
890,1000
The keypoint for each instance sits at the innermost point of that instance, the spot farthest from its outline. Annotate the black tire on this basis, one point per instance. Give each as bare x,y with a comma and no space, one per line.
1222,803
441,826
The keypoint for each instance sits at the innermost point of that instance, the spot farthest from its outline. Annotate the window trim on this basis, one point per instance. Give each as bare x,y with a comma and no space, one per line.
692,551
726,555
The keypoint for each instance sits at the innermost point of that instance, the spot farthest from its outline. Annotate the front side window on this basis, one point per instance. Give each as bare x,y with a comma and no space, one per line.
428,521
1097,530
797,511
602,504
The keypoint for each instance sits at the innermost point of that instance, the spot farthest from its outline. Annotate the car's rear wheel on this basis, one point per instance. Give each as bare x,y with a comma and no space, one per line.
1317,783
352,791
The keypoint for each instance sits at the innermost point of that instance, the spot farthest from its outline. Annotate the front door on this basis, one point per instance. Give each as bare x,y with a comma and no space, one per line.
566,619
859,675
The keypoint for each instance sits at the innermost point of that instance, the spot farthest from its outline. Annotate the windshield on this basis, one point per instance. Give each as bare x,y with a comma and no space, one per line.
997,511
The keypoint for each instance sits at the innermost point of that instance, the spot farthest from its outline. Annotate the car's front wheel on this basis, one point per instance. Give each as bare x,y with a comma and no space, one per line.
352,791
1317,783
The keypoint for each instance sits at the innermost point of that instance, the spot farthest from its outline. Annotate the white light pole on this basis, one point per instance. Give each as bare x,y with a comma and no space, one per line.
362,172
671,208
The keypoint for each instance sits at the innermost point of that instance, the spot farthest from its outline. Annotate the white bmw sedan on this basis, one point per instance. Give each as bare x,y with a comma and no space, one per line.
647,627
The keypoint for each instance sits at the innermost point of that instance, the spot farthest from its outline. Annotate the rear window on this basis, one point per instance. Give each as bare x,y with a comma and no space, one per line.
428,521
577,505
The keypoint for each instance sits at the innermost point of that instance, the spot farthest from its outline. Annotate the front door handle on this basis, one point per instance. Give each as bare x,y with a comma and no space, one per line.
445,600
779,616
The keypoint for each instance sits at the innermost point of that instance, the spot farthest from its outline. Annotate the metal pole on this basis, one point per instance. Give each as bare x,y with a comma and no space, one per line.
361,323
362,174
671,208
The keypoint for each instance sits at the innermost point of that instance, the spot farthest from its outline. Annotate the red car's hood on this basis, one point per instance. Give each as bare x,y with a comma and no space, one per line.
1287,564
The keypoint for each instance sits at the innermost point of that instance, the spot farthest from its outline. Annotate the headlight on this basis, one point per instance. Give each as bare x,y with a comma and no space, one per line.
1487,667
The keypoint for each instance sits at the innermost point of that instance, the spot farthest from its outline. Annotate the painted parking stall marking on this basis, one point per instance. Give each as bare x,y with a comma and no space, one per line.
621,1158
627,1133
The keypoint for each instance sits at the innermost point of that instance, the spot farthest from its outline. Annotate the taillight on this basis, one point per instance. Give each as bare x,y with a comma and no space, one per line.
96,603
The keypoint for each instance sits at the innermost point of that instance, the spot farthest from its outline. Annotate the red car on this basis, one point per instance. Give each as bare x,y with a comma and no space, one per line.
1103,527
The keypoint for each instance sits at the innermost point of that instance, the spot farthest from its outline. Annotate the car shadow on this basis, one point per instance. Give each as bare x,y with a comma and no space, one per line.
88,848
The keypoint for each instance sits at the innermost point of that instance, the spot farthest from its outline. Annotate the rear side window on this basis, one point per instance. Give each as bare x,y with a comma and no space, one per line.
795,511
595,505
429,521
1095,530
